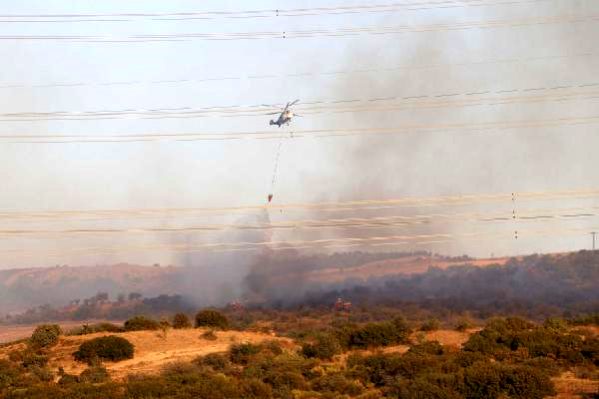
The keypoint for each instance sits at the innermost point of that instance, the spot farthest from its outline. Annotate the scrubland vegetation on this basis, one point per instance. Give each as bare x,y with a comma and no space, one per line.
333,357
521,327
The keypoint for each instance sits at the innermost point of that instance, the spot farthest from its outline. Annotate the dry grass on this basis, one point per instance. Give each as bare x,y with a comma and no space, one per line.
450,337
570,387
152,350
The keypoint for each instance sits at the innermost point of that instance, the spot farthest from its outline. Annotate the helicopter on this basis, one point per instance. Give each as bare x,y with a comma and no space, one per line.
284,116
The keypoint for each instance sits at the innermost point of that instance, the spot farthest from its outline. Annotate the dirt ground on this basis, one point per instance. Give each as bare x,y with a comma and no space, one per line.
152,349
570,387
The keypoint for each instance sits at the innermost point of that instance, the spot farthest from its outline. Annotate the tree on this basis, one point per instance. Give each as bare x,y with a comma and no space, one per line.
211,318
181,321
45,336
134,296
111,348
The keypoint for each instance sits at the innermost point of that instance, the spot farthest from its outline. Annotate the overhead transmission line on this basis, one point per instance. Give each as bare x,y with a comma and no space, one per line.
355,205
459,128
567,92
307,74
388,240
311,33
253,14
378,222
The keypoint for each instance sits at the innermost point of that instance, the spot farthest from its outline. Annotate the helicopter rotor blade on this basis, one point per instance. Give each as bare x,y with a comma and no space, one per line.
293,103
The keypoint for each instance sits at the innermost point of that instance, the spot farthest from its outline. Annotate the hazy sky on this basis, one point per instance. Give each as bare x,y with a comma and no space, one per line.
553,47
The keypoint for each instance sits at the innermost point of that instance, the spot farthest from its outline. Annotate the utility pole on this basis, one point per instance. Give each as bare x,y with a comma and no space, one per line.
593,233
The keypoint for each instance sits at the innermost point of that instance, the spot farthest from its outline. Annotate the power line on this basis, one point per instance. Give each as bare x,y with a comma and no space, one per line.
419,239
452,99
309,206
316,134
306,74
394,222
312,33
252,14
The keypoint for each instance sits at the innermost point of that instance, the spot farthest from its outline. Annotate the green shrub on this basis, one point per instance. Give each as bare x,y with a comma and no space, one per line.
586,320
482,380
45,336
211,318
66,379
180,321
216,361
241,353
427,348
96,328
337,383
521,382
285,381
378,334
111,348
499,335
422,388
140,323
324,346
147,387
255,389
43,374
209,335
464,324
273,347
31,358
590,350
494,380
430,325
556,324
94,374
9,374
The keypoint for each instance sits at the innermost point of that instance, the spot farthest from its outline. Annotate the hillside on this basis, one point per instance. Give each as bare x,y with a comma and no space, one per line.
24,288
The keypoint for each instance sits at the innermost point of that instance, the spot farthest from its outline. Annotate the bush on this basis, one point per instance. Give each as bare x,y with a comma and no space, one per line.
336,382
94,374
111,348
556,324
43,374
463,325
325,346
209,335
255,389
140,323
181,321
45,336
376,334
241,353
96,328
216,361
31,359
211,318
8,374
430,325
526,383
427,348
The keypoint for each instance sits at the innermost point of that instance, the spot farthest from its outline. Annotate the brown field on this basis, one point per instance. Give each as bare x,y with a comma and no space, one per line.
10,333
405,265
570,387
152,349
